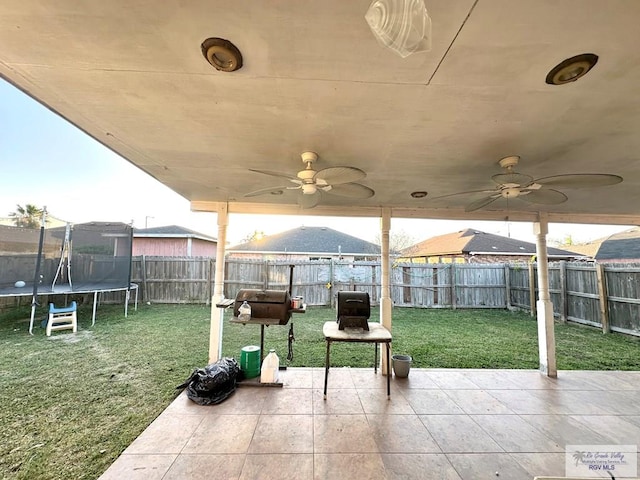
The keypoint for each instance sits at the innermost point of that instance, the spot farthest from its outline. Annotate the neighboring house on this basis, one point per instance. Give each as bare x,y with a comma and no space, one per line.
172,241
307,243
473,246
622,247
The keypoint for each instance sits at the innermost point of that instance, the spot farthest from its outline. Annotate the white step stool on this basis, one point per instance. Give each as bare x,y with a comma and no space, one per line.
62,318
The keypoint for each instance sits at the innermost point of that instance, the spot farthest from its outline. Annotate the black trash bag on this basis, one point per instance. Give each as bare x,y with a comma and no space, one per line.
214,383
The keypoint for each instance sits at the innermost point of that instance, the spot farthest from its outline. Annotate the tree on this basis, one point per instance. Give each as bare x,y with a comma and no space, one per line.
28,216
255,235
398,241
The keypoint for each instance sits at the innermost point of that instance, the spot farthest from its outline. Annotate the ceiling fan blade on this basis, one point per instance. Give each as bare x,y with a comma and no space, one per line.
272,190
483,202
513,177
580,180
339,175
544,196
309,200
275,174
350,190
463,193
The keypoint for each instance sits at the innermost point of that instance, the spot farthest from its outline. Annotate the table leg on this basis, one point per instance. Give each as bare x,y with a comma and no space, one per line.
388,372
326,369
375,358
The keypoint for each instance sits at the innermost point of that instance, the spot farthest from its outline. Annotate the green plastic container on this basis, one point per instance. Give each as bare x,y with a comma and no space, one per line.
250,361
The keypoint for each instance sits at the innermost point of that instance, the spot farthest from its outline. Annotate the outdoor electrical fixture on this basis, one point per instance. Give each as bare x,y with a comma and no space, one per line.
420,194
571,69
222,54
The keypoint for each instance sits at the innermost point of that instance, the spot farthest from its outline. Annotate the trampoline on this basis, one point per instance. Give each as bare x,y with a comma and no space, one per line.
77,259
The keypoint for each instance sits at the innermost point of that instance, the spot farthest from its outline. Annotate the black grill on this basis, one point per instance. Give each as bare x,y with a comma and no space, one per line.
353,310
265,304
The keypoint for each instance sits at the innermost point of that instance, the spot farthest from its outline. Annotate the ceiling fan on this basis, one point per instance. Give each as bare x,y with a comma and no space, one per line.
313,183
512,184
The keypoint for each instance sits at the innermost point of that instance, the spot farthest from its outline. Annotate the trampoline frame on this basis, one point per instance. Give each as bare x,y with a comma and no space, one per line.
96,293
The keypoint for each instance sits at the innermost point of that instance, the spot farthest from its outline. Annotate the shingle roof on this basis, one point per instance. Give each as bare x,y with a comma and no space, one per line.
622,245
471,241
170,231
310,240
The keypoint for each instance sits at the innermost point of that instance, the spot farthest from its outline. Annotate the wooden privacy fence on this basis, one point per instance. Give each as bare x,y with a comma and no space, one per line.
605,296
600,295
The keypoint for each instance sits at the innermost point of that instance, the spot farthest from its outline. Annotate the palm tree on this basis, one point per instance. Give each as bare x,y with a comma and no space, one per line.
28,216
579,457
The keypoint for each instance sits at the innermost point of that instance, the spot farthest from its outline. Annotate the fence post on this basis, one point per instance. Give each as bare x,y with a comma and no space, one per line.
454,300
331,281
209,289
532,289
144,279
374,282
436,286
265,275
602,297
507,285
564,300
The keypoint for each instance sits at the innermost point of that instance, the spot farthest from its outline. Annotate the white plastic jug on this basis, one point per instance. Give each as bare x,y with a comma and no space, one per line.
270,368
244,312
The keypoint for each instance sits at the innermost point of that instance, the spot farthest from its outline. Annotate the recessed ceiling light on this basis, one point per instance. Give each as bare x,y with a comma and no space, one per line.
222,54
419,194
571,69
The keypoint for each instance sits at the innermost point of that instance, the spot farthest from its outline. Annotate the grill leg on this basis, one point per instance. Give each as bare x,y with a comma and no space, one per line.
326,369
261,344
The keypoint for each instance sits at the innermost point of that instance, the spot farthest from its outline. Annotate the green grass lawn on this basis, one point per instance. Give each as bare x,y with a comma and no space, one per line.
69,404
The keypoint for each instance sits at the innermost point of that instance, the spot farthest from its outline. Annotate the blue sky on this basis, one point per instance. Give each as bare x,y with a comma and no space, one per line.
48,162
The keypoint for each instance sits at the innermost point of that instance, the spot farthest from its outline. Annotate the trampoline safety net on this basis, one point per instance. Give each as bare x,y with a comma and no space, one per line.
82,257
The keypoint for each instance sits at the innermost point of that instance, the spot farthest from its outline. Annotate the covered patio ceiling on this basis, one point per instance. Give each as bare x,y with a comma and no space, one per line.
132,75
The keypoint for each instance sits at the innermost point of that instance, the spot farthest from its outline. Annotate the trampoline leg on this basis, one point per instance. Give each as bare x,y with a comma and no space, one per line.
135,306
33,314
126,303
95,304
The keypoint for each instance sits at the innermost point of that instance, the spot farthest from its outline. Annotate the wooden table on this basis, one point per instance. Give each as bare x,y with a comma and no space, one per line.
376,334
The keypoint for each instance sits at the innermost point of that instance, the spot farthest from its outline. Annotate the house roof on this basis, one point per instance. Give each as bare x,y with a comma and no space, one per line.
475,242
310,240
170,231
619,246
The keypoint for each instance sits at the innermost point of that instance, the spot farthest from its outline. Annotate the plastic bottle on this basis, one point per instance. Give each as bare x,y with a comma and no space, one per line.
244,312
270,368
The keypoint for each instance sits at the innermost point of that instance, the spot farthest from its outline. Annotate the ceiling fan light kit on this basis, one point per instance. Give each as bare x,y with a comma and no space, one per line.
312,184
402,26
512,184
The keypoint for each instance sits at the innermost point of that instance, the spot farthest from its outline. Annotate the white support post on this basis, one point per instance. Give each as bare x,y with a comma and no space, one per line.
215,333
546,334
385,293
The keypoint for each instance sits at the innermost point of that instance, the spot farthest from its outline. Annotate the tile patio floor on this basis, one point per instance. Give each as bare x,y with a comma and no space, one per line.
438,424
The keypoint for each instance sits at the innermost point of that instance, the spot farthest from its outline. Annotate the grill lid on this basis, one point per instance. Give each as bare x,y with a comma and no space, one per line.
353,310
